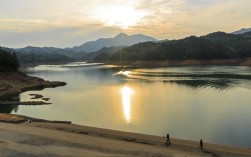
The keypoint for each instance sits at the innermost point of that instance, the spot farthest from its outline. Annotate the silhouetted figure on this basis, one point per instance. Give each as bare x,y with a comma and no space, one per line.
201,144
29,121
168,139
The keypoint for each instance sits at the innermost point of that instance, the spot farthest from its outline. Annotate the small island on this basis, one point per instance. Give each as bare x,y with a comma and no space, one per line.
13,82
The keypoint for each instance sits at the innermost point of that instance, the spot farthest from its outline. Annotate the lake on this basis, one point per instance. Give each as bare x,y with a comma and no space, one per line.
211,103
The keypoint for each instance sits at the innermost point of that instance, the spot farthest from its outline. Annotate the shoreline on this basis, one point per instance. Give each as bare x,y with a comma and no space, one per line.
18,119
47,135
165,63
170,63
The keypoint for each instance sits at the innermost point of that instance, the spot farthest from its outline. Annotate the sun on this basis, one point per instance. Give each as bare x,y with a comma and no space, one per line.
121,16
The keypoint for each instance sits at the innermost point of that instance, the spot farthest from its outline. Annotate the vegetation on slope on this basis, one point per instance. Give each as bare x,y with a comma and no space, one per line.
8,60
103,54
241,44
38,58
217,45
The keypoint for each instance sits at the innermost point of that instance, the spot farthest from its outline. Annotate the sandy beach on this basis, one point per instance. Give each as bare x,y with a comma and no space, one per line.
61,139
18,138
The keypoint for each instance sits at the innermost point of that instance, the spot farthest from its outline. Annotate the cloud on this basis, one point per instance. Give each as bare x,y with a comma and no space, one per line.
65,22
225,15
56,37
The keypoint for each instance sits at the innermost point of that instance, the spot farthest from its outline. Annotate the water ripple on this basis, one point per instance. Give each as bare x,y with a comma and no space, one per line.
219,81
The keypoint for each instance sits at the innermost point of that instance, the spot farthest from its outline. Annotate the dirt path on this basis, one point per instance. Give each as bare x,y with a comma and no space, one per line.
52,139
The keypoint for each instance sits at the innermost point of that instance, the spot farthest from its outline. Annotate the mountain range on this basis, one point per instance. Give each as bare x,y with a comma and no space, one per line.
121,39
217,45
242,31
83,52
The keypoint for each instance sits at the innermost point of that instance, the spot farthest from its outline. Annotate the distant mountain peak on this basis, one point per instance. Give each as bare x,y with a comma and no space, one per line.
121,35
242,31
121,39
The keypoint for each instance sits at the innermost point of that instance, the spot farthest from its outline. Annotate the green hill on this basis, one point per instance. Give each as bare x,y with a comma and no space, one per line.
241,43
42,58
218,45
8,60
105,53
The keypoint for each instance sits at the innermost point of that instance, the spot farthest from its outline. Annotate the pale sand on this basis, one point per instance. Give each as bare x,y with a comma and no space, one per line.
69,140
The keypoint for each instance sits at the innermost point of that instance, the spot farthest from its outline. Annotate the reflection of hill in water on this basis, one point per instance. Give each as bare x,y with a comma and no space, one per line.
215,84
219,81
9,108
191,75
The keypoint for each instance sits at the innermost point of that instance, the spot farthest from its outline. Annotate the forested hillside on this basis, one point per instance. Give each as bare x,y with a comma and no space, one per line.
240,43
218,45
43,58
8,60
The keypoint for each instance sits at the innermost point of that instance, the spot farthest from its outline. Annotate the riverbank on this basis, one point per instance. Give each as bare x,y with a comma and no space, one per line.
64,139
194,62
13,83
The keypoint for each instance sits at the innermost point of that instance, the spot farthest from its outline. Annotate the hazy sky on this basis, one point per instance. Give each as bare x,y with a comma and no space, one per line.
66,23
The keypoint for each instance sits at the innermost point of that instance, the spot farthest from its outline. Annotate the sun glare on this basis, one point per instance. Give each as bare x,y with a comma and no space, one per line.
126,93
126,73
121,16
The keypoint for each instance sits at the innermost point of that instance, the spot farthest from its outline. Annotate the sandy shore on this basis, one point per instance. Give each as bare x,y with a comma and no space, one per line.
61,139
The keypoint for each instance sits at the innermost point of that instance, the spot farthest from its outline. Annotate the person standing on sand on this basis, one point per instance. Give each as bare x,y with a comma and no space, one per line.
168,139
201,144
29,121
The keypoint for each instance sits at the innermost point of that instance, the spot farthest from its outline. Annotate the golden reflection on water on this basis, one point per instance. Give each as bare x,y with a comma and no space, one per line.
126,73
126,93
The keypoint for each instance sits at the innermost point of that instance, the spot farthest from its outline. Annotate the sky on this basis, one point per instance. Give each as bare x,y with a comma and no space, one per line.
68,23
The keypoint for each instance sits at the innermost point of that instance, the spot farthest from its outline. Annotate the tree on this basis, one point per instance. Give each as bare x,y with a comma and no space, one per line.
8,60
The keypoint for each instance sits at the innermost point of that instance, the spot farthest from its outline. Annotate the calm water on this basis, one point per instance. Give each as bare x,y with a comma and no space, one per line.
212,103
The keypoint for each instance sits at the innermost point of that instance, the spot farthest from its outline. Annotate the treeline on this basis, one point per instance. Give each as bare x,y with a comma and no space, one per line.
8,60
42,58
218,45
